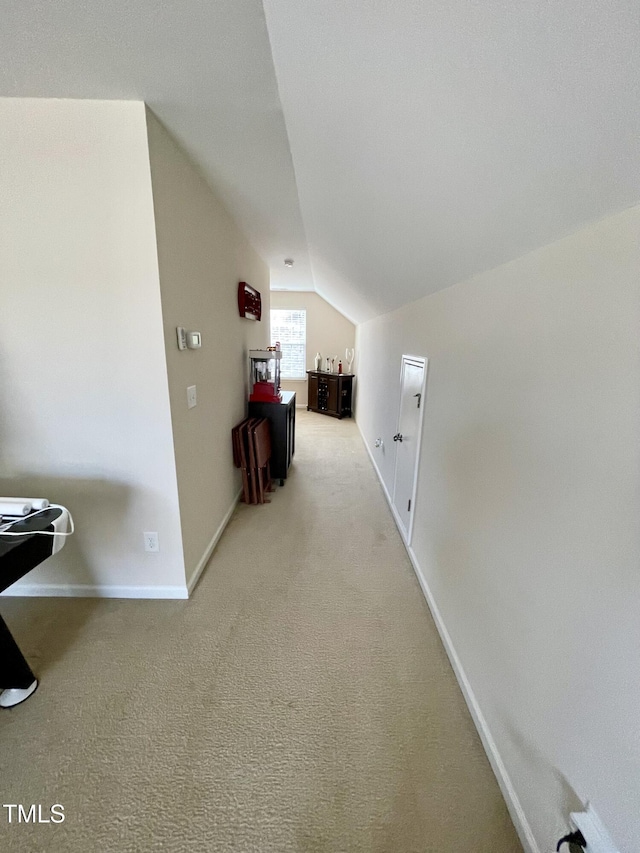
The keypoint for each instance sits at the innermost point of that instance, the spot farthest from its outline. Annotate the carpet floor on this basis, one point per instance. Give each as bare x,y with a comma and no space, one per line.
300,702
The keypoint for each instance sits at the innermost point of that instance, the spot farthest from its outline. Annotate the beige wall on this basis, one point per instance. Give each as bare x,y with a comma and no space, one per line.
328,332
202,257
527,526
84,399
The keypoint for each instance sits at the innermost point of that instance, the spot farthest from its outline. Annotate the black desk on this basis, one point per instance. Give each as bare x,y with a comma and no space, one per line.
282,419
18,555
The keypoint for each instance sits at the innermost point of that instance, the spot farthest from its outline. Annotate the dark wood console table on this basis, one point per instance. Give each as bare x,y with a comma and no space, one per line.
330,393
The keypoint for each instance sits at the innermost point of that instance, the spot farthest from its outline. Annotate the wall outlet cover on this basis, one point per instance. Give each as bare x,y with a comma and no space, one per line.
595,833
151,542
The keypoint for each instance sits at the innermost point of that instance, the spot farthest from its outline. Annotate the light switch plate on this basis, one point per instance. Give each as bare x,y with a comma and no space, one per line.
191,397
182,337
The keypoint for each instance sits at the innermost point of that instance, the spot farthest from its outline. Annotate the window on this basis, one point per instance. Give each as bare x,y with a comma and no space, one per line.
290,328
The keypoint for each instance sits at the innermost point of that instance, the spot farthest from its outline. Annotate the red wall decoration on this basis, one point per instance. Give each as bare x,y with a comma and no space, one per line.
249,301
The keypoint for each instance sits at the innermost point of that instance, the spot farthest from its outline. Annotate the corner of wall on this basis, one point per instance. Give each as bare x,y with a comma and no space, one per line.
202,256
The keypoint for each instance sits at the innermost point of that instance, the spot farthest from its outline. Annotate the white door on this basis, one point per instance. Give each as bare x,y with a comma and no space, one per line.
407,440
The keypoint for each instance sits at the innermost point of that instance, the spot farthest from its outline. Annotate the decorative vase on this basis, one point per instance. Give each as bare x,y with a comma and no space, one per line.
318,361
349,355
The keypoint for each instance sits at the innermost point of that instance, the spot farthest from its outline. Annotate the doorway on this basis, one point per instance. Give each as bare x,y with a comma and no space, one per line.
407,439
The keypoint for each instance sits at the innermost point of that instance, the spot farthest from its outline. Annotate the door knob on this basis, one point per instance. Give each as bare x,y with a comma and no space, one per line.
397,437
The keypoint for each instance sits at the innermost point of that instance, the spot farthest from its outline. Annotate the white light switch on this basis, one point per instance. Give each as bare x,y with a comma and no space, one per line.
191,397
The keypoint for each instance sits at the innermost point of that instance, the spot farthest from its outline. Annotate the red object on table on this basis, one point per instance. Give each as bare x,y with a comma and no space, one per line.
263,393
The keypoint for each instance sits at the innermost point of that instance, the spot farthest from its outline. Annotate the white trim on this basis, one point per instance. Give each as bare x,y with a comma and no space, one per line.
506,786
511,799
81,590
423,362
193,580
294,290
395,515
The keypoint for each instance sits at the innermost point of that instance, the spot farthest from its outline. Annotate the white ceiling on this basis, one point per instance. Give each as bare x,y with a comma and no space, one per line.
398,147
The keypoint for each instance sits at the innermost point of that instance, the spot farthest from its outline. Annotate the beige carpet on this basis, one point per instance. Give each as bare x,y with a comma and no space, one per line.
300,701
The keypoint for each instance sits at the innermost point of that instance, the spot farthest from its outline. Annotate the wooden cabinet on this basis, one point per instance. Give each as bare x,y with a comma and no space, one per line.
312,392
330,393
282,418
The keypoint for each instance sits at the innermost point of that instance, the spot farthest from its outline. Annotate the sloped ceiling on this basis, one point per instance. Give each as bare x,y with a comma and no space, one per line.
203,66
434,139
391,147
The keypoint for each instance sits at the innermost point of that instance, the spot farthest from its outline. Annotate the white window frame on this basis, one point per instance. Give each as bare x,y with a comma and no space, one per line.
296,336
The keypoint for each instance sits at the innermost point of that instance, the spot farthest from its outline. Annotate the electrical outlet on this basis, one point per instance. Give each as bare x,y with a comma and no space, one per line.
594,831
151,542
191,397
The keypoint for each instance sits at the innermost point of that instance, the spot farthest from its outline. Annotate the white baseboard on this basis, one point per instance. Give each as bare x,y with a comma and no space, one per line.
195,577
512,801
63,590
508,791
77,590
384,487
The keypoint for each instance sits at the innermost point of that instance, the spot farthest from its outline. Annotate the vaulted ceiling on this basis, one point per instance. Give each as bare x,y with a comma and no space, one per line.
391,147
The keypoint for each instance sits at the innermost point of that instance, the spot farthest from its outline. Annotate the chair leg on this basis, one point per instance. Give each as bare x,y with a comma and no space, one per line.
270,486
17,682
246,494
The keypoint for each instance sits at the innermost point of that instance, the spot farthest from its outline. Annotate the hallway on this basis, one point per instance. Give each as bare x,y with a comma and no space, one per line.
300,701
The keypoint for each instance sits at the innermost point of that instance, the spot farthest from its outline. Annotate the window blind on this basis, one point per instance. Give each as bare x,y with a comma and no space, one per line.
290,328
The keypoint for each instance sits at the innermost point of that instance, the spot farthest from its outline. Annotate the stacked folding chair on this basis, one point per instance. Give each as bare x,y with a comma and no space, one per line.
252,454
